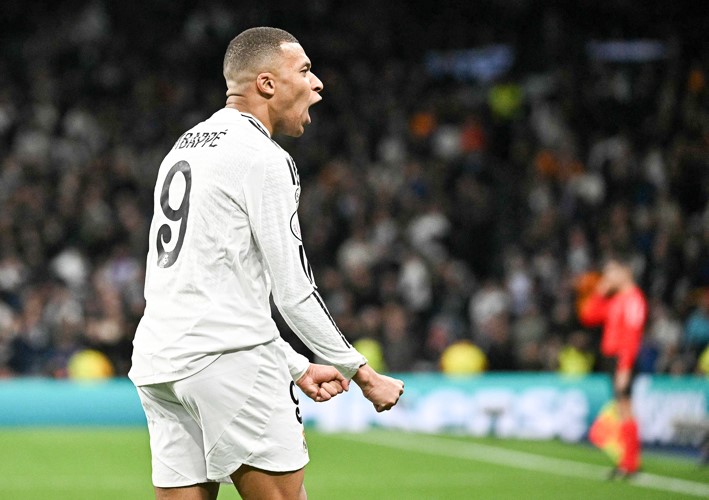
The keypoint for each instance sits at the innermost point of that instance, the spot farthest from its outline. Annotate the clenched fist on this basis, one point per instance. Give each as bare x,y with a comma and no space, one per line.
382,391
322,382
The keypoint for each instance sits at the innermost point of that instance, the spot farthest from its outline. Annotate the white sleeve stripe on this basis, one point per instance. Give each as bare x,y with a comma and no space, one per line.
324,308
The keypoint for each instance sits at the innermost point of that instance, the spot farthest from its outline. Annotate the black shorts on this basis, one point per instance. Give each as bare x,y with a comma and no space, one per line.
609,365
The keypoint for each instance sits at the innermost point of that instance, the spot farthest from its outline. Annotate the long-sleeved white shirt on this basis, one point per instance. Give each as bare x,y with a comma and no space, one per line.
224,236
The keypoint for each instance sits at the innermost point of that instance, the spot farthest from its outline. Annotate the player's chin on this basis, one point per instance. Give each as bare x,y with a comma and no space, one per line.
296,127
297,130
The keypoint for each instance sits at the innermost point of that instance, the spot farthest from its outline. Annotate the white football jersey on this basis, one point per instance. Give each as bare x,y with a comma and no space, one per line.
224,235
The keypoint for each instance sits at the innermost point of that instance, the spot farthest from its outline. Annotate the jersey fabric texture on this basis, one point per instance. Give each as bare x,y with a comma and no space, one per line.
623,318
224,237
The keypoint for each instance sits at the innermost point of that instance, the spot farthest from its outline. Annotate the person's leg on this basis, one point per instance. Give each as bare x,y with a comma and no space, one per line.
245,410
629,436
250,419
622,382
179,466
257,484
625,408
204,491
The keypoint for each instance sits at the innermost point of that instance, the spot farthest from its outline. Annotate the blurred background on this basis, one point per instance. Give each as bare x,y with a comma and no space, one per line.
470,165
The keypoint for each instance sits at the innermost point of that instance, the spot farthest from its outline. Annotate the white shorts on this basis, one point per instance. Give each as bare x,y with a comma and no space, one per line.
241,409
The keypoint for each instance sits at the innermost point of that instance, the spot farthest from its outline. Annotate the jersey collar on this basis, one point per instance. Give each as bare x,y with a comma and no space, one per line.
256,123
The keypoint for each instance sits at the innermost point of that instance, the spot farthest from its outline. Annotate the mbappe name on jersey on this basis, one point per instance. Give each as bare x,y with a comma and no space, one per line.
199,139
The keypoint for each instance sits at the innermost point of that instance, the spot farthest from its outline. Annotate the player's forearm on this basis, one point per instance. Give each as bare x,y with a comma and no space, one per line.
311,321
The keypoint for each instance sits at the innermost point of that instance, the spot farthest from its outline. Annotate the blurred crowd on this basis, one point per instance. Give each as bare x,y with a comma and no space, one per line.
440,211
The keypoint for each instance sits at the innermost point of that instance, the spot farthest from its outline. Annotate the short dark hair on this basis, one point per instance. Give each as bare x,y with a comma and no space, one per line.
254,47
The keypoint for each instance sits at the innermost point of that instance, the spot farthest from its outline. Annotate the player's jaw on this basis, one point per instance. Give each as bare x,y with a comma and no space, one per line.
299,114
314,99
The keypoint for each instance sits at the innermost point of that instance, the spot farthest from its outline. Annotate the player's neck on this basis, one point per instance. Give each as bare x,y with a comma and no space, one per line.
242,104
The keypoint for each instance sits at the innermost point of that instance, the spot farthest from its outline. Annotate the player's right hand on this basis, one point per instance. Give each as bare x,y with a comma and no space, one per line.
382,391
322,383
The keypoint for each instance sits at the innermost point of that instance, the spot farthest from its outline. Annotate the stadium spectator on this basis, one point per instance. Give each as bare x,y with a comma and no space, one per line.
576,357
696,329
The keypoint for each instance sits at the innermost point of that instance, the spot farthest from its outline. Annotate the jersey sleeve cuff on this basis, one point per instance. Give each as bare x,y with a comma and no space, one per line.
299,365
348,371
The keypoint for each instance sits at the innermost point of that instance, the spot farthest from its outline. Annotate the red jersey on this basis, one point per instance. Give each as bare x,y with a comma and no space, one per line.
623,318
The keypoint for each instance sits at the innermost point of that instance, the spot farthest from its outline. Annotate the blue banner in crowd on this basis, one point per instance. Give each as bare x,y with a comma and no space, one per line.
521,405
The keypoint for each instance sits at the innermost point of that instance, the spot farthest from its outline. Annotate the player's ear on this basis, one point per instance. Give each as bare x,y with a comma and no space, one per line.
266,84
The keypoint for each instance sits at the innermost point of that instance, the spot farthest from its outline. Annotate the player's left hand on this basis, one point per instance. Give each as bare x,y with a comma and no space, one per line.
322,383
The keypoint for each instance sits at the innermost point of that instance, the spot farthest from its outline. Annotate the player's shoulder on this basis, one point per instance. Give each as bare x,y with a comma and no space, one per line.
265,151
637,294
258,137
268,152
233,129
258,131
241,136
252,131
635,297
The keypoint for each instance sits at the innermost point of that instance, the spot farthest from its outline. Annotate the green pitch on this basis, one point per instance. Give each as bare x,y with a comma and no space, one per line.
109,464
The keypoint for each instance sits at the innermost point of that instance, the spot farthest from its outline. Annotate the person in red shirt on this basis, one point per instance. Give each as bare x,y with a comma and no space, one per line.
620,307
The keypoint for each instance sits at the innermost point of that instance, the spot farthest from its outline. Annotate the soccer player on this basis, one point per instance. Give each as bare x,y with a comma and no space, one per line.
620,306
214,377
